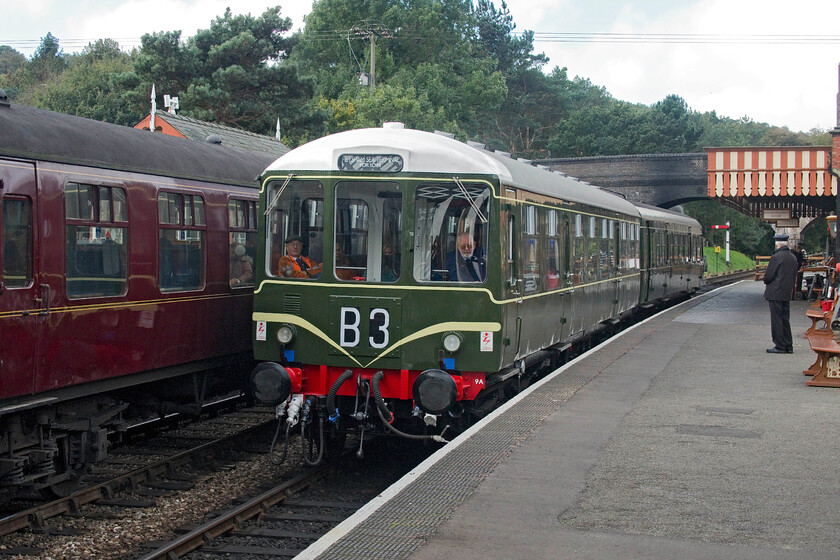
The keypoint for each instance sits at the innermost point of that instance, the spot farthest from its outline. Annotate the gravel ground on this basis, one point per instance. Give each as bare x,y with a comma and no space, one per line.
120,538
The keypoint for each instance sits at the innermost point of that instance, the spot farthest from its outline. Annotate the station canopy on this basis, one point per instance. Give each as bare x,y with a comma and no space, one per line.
773,183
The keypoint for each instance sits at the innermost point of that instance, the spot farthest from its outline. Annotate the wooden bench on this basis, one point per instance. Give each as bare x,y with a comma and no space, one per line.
825,371
820,314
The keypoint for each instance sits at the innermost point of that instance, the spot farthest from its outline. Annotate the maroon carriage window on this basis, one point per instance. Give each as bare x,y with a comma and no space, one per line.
181,235
17,242
96,240
242,221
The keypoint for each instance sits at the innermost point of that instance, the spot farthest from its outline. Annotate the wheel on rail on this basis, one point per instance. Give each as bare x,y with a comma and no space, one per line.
65,487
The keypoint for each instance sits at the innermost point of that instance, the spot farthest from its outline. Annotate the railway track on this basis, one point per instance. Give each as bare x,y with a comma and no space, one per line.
133,476
283,520
729,277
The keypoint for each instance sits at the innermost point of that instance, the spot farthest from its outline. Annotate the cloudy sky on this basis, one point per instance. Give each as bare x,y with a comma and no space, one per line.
773,61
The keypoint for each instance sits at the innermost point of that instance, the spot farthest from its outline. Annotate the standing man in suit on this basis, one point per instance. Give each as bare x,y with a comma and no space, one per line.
779,279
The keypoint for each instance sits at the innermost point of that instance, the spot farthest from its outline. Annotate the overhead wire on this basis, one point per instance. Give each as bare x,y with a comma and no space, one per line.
538,37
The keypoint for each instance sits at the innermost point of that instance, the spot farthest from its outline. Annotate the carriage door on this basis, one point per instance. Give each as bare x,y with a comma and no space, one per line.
614,256
22,298
511,278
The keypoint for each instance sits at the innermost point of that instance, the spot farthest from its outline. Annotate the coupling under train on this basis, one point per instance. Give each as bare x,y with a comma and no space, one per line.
126,284
407,282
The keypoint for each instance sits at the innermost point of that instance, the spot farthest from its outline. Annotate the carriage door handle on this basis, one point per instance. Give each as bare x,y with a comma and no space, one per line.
39,301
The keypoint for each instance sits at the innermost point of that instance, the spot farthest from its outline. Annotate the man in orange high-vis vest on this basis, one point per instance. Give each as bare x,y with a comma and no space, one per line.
295,265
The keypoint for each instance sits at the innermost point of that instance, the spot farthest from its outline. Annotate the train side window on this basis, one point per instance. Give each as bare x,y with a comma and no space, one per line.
451,232
181,242
530,252
17,242
242,237
295,209
96,241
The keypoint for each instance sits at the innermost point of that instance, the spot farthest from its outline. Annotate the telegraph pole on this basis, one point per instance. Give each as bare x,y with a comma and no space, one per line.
371,30
372,61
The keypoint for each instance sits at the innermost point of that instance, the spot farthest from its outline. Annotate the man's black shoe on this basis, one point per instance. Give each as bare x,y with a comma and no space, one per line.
775,350
789,351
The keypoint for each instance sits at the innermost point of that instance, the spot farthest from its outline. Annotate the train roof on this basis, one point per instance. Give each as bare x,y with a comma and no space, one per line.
426,152
656,214
30,133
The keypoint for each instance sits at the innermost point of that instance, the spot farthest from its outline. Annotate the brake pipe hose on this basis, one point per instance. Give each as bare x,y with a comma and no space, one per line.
377,395
333,391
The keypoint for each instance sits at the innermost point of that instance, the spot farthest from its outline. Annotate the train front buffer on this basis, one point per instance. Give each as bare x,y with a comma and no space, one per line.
411,362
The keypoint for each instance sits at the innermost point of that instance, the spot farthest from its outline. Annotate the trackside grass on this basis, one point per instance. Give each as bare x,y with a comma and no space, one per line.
716,262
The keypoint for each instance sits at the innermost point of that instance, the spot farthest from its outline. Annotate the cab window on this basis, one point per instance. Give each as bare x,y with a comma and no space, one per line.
450,232
368,231
295,229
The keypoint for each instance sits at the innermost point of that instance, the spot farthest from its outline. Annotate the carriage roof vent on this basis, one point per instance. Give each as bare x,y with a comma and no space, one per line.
477,145
213,139
442,133
559,173
501,153
523,160
547,168
393,125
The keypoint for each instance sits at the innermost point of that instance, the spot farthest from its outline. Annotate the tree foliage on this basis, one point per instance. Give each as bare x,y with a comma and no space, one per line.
92,85
10,60
454,65
231,73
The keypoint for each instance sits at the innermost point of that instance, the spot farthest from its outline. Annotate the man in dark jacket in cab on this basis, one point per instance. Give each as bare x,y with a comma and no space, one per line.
779,279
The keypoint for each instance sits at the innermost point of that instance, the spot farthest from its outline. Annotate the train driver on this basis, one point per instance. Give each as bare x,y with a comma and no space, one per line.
466,263
295,265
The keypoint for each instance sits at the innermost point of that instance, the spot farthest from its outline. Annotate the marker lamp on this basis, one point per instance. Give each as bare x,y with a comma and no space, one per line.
452,341
285,334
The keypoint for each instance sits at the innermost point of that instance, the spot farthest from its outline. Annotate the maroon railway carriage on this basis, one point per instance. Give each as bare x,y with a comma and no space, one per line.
124,283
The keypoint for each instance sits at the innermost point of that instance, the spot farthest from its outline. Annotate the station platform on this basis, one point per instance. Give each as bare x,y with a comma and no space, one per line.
679,438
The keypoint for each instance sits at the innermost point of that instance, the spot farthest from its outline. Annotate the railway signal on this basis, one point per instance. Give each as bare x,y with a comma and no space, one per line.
726,227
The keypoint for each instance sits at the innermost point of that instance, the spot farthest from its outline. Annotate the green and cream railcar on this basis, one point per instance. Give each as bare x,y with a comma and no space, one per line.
405,275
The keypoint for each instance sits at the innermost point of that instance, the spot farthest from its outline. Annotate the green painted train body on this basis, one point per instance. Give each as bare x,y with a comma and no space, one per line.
444,266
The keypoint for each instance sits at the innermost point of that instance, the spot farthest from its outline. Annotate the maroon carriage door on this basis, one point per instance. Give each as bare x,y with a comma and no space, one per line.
23,300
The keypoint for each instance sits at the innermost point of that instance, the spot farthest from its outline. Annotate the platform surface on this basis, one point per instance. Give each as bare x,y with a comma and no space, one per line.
681,438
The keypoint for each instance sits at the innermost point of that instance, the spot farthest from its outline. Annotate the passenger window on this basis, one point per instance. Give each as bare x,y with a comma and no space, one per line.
295,229
17,242
530,252
96,241
242,221
450,232
181,242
